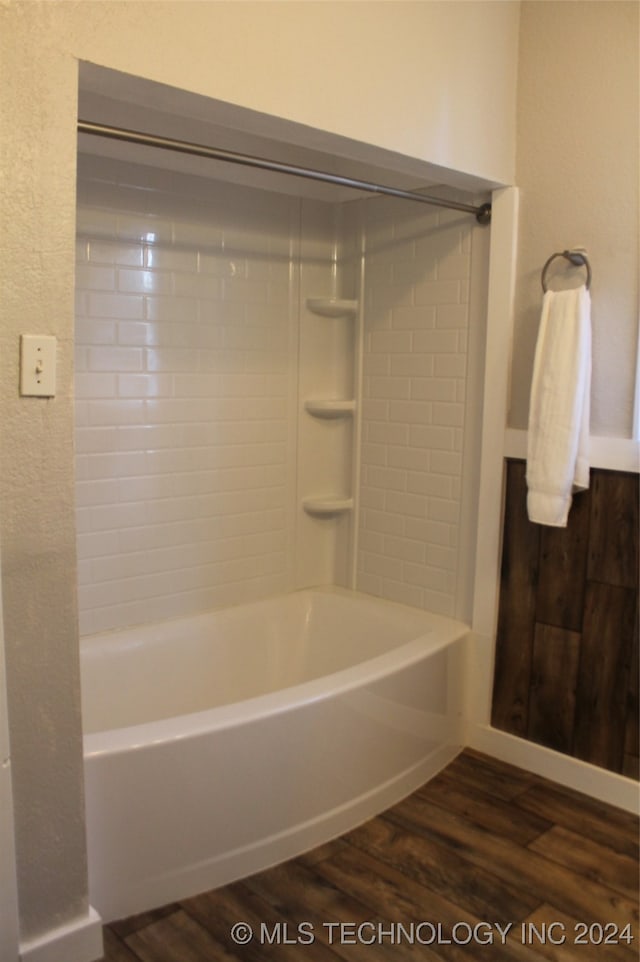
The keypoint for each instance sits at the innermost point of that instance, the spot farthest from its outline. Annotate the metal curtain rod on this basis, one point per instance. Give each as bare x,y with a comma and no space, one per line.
483,213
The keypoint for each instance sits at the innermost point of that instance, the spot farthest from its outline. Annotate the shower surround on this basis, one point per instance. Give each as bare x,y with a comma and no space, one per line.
272,393
195,354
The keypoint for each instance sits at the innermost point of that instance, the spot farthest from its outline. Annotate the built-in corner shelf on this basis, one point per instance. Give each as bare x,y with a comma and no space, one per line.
327,507
330,408
332,306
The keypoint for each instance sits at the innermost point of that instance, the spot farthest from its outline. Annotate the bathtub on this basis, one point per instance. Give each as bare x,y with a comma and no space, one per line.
218,745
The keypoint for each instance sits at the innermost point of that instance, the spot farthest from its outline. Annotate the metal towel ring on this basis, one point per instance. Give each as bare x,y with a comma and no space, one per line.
575,257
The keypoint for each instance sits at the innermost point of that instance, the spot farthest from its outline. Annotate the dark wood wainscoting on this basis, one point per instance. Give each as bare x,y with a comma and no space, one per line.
566,673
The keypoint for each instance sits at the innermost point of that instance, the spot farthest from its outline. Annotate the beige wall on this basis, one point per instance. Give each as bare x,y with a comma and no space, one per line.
577,168
432,80
436,81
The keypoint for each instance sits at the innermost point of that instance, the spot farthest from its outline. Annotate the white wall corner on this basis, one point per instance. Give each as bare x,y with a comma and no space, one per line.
77,941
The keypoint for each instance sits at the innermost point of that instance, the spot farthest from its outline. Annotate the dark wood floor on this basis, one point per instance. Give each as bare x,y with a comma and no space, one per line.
483,844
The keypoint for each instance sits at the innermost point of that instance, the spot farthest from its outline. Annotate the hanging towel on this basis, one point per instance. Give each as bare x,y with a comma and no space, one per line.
558,439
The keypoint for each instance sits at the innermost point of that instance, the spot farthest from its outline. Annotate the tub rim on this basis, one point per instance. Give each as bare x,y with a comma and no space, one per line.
440,632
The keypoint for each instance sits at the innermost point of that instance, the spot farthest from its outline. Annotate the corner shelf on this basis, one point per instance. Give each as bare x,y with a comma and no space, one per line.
332,306
327,408
327,507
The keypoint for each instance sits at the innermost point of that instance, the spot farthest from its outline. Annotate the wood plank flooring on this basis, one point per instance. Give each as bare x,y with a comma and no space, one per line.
440,876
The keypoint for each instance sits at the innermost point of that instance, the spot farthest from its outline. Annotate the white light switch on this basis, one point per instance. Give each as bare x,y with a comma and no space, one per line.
38,365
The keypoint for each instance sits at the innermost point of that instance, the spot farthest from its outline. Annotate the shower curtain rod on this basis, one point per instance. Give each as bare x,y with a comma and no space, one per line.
482,213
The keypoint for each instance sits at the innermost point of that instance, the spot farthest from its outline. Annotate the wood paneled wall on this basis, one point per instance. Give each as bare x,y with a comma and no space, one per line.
566,672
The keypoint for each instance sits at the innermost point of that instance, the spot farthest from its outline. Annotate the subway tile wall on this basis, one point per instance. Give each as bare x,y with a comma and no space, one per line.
186,395
418,269
185,388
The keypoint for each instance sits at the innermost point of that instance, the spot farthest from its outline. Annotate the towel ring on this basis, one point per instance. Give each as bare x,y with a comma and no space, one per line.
577,258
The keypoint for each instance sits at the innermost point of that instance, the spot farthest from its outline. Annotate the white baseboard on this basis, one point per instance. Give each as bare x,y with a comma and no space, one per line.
76,941
571,772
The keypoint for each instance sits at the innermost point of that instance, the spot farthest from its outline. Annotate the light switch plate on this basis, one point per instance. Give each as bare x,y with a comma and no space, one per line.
38,365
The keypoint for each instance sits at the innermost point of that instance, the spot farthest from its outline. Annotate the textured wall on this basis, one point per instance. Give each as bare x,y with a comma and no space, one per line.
37,225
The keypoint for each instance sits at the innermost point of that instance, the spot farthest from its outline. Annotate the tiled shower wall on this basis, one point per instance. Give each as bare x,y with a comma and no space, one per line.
416,322
185,386
187,374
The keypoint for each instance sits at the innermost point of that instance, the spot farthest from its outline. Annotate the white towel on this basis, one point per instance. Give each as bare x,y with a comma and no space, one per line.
558,440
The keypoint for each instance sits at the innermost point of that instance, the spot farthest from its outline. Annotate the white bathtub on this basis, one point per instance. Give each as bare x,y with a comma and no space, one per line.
218,745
